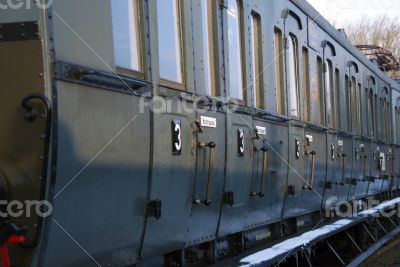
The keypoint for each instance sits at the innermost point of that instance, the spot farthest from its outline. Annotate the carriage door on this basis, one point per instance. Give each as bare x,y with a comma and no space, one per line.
210,176
315,136
358,183
375,183
240,133
386,155
334,189
295,182
209,126
238,173
396,160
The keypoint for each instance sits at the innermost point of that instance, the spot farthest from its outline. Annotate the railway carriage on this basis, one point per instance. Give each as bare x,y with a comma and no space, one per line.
181,133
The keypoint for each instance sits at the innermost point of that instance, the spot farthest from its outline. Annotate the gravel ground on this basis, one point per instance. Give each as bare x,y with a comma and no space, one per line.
388,256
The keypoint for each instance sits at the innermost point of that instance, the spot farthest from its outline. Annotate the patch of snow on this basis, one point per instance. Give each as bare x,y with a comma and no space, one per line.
289,245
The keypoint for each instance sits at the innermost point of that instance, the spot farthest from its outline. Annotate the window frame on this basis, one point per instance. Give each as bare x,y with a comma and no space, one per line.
280,92
320,87
141,35
348,103
295,42
306,84
338,98
330,94
367,111
354,105
359,108
212,48
257,61
166,82
241,37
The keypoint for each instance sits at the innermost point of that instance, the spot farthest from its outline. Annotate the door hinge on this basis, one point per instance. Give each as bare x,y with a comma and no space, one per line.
229,198
154,209
291,190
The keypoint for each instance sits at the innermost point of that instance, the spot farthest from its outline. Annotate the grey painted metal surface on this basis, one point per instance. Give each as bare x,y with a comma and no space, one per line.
204,216
240,153
108,200
105,199
172,182
268,209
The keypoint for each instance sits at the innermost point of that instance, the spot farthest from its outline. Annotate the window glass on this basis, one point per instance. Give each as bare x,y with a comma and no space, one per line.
126,30
257,69
293,66
280,93
354,108
348,103
383,128
359,107
170,40
396,122
338,105
398,125
368,112
329,94
235,49
372,112
208,46
375,116
306,80
320,92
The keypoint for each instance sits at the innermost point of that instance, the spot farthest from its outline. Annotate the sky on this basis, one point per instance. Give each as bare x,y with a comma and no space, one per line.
342,12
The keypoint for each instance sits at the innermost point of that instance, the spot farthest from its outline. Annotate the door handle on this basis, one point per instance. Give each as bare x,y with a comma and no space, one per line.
211,146
343,167
311,185
263,173
364,157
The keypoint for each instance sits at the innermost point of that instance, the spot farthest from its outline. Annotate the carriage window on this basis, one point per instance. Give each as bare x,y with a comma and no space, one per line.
329,94
170,41
306,80
375,115
208,47
396,120
293,72
368,111
385,119
126,21
359,106
372,112
320,93
257,83
280,93
383,127
338,105
235,49
398,124
348,103
354,113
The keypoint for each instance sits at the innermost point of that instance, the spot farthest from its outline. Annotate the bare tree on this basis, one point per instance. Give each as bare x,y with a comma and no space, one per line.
382,31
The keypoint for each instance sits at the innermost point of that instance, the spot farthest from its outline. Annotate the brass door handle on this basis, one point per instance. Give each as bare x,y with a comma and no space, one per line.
211,146
263,172
343,168
311,184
